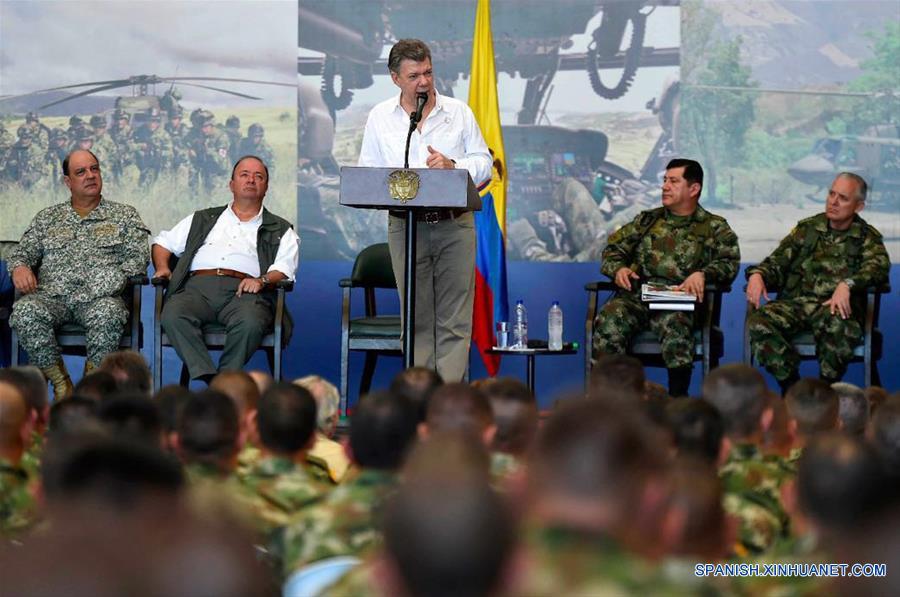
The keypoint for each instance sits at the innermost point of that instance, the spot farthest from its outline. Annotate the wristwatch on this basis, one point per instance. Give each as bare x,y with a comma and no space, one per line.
265,280
849,282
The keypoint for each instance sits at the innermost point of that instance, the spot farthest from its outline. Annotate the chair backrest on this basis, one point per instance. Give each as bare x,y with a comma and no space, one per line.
372,268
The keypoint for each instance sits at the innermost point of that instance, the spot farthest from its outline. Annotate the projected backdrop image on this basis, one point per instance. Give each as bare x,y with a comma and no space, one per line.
165,104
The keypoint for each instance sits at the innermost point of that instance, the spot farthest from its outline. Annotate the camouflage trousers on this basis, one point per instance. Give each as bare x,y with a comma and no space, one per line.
625,315
37,316
774,325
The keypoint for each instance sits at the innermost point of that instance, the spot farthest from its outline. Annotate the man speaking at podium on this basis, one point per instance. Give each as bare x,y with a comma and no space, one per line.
446,136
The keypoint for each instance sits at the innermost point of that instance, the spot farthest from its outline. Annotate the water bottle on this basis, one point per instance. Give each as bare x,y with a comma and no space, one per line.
555,327
520,332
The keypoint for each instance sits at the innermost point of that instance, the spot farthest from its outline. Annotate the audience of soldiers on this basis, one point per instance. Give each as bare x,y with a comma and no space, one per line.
137,147
448,489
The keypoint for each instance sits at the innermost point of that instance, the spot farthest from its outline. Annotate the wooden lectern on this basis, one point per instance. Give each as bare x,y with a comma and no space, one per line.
417,189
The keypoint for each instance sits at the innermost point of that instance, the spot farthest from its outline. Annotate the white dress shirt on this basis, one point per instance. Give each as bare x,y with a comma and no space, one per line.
231,244
450,128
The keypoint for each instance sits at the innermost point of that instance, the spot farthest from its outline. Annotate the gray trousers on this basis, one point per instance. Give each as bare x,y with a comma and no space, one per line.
36,317
445,290
210,300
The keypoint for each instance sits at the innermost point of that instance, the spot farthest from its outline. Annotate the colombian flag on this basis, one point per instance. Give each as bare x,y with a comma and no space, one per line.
490,223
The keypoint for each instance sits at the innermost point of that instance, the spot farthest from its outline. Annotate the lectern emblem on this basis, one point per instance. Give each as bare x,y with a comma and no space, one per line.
403,185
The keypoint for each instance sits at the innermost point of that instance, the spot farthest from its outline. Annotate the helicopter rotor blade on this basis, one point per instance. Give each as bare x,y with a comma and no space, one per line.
253,97
87,92
278,83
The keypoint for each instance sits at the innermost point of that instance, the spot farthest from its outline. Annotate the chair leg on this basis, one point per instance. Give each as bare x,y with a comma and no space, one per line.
185,378
368,372
875,376
274,365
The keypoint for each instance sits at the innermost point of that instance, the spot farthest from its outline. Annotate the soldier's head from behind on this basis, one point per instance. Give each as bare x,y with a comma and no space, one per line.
459,408
681,186
81,173
884,434
382,430
846,198
131,371
287,420
739,393
813,407
619,378
515,414
208,431
417,384
249,179
592,467
853,408
697,428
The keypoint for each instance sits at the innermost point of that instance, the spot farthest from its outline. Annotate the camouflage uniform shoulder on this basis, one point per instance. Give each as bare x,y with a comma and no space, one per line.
53,212
870,230
648,216
715,220
121,211
817,221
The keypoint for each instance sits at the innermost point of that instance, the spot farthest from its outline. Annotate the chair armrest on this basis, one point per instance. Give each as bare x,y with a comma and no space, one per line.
723,288
345,283
160,282
286,285
601,286
138,280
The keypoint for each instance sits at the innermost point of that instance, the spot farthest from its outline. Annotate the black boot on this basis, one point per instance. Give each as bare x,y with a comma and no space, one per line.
786,383
679,381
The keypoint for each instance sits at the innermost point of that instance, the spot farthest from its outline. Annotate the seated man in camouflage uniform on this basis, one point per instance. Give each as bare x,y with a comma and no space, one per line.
84,251
822,269
679,244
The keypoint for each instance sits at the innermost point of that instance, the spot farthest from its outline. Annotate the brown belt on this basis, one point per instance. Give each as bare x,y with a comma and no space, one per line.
431,216
221,271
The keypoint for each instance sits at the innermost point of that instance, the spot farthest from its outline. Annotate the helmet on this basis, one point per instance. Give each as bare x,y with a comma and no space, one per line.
206,117
98,121
58,133
75,121
233,122
153,115
256,129
176,94
31,117
85,133
24,132
120,114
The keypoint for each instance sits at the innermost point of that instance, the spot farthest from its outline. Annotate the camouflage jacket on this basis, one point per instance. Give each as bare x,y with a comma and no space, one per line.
210,153
280,489
751,485
18,510
565,561
104,148
179,142
123,139
84,258
812,259
663,248
344,523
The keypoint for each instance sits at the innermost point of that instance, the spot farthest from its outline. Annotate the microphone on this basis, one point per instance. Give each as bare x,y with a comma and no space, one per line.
421,100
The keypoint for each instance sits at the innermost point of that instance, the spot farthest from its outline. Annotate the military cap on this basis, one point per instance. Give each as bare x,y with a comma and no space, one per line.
98,121
256,129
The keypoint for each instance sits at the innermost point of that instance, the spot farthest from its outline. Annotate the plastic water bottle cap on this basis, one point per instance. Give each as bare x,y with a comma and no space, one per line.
555,303
519,302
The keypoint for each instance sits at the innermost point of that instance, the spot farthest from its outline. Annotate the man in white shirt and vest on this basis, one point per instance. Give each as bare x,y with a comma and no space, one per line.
230,258
447,136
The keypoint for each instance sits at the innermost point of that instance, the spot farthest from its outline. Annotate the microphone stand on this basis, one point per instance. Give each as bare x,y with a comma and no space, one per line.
409,266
